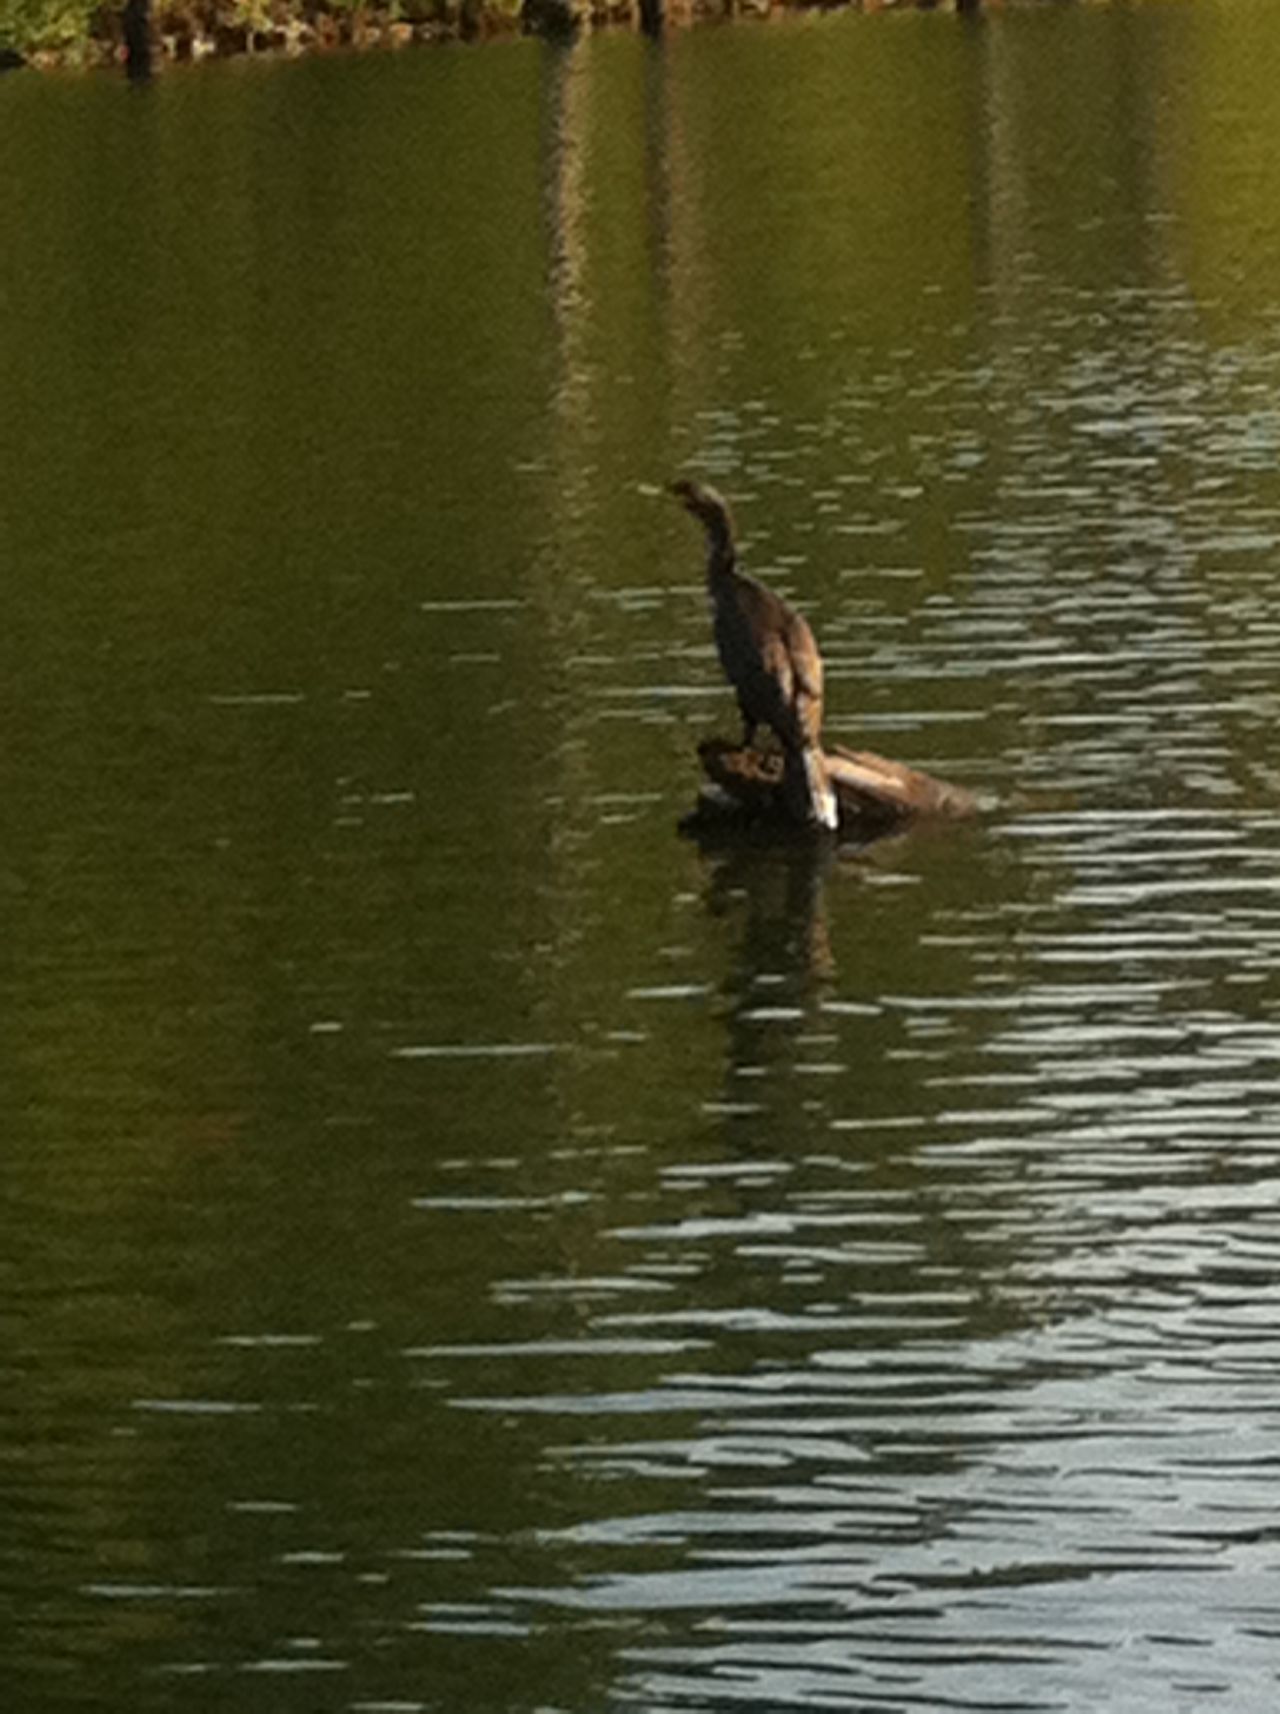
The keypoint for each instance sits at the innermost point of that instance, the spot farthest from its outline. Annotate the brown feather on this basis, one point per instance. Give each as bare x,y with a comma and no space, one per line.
768,653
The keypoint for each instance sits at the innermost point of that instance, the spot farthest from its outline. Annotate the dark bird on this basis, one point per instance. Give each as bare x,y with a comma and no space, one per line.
769,656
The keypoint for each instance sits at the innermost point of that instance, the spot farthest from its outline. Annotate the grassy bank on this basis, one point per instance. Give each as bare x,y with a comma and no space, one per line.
86,32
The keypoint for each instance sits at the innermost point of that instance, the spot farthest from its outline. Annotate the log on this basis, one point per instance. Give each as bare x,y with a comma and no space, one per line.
876,796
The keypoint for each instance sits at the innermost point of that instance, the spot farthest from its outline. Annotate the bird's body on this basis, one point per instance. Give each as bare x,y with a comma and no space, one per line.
769,657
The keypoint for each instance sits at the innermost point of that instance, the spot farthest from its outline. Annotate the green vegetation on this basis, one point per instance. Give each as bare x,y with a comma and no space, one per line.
44,26
85,32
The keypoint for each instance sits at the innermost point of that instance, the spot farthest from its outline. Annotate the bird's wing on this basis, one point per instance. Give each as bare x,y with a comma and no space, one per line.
806,661
779,676
806,677
765,660
777,666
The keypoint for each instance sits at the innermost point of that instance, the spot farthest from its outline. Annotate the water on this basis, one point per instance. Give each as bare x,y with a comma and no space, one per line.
466,1247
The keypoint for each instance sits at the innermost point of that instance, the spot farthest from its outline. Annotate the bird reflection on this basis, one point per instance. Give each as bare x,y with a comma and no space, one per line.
781,968
781,892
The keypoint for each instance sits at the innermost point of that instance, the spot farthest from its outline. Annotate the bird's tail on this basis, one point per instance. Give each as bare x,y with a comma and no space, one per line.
810,789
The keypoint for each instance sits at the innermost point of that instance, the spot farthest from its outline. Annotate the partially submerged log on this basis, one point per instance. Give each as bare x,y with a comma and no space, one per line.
875,795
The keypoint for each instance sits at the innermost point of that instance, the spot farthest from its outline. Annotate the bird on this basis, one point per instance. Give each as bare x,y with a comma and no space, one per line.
769,656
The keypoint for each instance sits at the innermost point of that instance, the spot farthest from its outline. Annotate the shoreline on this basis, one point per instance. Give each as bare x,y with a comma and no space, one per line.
128,38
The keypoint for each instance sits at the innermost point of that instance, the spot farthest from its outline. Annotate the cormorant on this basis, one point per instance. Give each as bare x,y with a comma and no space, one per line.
769,656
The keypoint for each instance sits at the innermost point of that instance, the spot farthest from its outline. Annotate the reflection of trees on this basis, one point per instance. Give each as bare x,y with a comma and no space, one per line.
1213,154
234,820
136,23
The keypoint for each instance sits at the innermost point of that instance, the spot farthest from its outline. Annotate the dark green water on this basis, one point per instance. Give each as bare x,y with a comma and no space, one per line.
464,1247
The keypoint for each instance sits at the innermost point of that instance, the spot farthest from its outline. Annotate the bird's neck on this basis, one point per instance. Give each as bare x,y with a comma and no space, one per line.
722,557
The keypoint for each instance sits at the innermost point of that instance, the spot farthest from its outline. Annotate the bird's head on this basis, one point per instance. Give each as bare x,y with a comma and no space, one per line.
704,504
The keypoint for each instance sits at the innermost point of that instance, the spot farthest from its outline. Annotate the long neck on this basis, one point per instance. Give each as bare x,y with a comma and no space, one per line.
722,556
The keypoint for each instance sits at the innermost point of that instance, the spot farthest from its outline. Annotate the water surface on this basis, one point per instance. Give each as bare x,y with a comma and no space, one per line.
467,1247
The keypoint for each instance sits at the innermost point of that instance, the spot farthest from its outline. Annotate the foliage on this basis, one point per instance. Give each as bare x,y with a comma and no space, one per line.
27,26
68,29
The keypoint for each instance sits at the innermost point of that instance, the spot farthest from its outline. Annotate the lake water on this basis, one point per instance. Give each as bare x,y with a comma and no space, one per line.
465,1246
